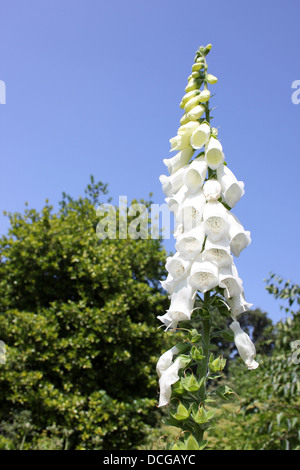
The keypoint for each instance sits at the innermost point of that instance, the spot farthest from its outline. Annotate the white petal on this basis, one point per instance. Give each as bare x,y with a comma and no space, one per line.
238,305
204,275
215,220
200,136
177,199
165,360
177,266
218,252
230,281
171,184
168,378
195,174
232,189
214,153
190,243
190,212
239,238
179,160
244,345
212,190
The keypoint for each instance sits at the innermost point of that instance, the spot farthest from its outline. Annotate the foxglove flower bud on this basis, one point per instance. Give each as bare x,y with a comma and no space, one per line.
211,190
204,96
195,113
188,96
211,79
244,346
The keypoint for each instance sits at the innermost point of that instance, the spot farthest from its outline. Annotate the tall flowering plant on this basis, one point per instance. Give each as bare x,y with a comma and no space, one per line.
202,279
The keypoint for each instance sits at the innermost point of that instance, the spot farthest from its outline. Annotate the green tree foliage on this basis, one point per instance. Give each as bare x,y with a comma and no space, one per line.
78,317
269,412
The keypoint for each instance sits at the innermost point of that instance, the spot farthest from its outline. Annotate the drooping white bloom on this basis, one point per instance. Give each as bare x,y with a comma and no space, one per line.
215,220
200,136
195,174
167,379
244,346
232,189
175,201
179,160
238,305
212,190
230,281
166,360
190,243
179,142
218,252
204,275
171,184
190,212
214,153
181,306
239,238
177,266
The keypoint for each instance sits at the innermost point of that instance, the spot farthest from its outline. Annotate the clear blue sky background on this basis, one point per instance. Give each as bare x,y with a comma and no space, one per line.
94,87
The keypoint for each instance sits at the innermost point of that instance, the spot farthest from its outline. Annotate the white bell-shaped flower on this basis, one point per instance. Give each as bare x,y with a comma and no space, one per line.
215,220
195,174
212,190
190,243
232,189
168,284
238,305
181,306
204,275
171,184
244,345
179,160
218,252
167,379
190,212
175,201
188,128
214,153
179,142
239,238
177,266
200,136
230,281
166,360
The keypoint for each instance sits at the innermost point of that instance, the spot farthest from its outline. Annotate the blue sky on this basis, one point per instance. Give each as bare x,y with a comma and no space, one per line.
94,87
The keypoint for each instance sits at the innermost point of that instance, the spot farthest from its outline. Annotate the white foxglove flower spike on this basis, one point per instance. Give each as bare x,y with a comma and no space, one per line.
244,345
